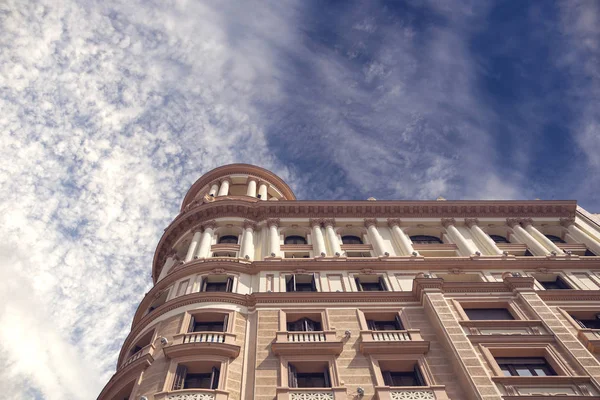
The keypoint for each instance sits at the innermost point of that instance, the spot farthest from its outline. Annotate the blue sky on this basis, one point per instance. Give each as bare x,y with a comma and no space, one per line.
111,110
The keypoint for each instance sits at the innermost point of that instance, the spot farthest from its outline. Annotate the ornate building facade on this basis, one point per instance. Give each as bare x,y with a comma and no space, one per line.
261,296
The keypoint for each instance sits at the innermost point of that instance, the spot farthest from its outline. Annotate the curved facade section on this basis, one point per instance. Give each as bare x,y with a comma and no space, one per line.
296,300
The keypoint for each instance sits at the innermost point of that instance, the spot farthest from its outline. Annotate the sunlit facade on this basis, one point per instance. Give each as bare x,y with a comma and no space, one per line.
261,296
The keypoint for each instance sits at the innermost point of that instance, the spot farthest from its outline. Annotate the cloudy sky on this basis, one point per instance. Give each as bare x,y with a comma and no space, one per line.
109,111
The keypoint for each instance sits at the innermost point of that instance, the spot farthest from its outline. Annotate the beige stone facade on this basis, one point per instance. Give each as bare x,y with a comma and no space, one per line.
261,296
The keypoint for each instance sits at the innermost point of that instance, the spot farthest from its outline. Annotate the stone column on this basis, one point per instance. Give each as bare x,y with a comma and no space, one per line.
336,248
319,248
193,245
472,223
224,189
206,240
464,246
378,245
580,235
214,189
247,250
251,187
274,247
527,223
262,190
402,238
532,244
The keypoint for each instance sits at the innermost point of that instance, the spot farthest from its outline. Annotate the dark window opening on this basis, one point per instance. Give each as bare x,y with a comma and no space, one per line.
488,314
395,325
208,326
404,378
225,285
425,239
228,239
557,284
349,239
499,239
371,286
588,323
301,283
308,379
555,239
304,325
185,380
588,253
294,240
522,366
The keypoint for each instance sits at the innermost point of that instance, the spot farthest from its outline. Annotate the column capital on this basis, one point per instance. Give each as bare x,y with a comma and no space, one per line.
370,221
273,222
394,222
526,222
249,224
315,222
196,229
512,222
471,221
215,182
225,179
329,222
566,222
446,222
252,178
209,225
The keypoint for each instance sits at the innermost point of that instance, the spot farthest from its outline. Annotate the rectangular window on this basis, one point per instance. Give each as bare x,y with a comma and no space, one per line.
525,366
370,284
307,376
217,284
404,378
557,284
488,314
195,380
208,322
300,283
388,325
304,325
587,323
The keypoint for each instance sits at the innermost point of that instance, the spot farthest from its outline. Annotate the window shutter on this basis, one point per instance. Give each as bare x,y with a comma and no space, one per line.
358,285
214,378
309,325
382,284
292,376
313,283
192,324
399,325
203,286
371,325
419,376
327,377
180,374
387,378
225,322
229,286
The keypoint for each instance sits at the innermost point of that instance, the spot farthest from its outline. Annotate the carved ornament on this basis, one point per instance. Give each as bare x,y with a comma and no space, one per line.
512,222
329,222
394,222
250,224
209,225
370,221
471,221
273,222
446,222
566,222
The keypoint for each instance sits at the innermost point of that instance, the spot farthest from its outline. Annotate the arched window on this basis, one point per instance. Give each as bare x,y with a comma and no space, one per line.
555,239
499,239
294,240
425,239
228,239
349,239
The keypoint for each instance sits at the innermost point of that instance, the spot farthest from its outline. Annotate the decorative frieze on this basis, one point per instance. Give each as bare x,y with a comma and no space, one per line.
412,395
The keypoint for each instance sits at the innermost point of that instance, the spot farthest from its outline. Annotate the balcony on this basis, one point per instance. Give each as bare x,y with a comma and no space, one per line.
590,338
546,387
318,342
145,355
193,394
393,342
224,250
336,393
196,343
437,392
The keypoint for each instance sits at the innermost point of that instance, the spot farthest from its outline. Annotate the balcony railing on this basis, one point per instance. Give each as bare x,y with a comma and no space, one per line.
146,350
217,343
306,337
193,394
336,393
437,249
212,337
318,342
382,342
411,393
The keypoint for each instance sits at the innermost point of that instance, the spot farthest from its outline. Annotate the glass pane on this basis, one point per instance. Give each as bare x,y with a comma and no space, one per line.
540,371
521,371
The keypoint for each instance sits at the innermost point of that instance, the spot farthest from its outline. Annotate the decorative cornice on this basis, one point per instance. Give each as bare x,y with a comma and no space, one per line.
370,221
471,221
446,222
394,222
273,222
566,222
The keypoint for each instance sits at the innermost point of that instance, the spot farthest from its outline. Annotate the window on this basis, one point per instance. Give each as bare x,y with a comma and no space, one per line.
208,322
350,239
525,366
160,300
300,283
217,283
587,323
588,253
488,314
425,239
499,239
294,240
304,325
385,325
228,239
370,283
309,375
196,377
557,284
358,254
141,343
403,378
555,239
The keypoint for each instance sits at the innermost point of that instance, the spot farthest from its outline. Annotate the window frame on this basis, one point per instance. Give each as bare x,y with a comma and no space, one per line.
229,317
428,241
417,361
353,238
381,281
399,317
492,351
228,237
285,361
524,363
295,236
304,313
222,361
507,303
230,283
